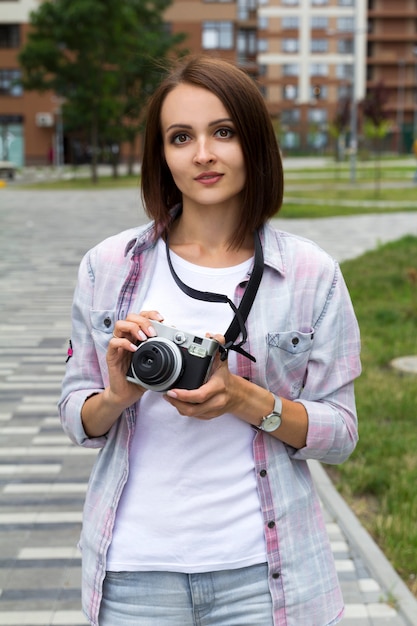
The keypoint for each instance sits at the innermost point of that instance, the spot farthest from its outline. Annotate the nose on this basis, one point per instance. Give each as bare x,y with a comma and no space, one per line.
203,152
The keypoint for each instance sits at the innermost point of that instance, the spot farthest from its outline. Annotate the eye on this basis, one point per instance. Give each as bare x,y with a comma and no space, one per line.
225,133
180,138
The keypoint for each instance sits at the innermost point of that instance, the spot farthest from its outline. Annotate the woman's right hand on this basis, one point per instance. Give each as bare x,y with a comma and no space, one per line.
126,334
100,411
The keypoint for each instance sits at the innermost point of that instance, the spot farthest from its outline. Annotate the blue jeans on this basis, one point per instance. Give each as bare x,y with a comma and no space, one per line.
237,597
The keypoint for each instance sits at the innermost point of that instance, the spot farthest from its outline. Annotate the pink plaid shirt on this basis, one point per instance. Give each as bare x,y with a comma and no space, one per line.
305,337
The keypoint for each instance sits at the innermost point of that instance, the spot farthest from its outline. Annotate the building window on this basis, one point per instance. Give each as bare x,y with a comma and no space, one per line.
290,116
344,71
345,46
317,116
217,35
291,69
316,3
345,24
9,36
246,43
292,3
10,83
319,22
319,45
345,3
246,9
290,22
262,45
343,92
291,140
290,92
290,45
319,69
263,22
317,139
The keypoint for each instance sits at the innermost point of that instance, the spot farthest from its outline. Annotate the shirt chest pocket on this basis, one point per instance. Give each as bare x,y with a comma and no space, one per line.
287,361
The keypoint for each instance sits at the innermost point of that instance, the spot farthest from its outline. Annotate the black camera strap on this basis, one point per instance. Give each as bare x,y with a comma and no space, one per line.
241,312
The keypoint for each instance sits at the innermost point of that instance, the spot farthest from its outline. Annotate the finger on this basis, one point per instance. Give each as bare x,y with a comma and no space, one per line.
152,315
219,338
122,342
145,315
132,330
203,411
188,409
210,395
136,326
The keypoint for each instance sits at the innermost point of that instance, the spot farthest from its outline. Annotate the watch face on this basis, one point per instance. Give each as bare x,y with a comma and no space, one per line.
271,423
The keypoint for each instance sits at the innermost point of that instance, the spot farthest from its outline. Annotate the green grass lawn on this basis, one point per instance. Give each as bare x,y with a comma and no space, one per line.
84,183
329,192
380,479
295,210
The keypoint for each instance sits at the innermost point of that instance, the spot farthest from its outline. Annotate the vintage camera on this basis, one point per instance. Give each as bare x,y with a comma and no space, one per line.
173,358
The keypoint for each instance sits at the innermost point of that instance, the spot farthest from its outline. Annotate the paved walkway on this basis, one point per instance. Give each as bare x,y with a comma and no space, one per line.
43,477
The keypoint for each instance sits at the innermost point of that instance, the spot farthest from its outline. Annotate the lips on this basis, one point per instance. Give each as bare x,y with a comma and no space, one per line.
208,178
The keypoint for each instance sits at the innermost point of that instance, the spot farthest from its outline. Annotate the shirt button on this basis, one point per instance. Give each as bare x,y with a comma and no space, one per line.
271,524
107,322
263,473
276,575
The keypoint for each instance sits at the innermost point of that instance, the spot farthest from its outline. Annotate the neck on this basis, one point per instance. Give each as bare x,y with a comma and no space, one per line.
203,237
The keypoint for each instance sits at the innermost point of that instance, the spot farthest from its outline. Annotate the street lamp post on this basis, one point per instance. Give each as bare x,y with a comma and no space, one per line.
59,132
400,104
415,96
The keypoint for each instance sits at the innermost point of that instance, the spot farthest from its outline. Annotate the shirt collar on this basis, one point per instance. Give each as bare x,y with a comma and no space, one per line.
149,235
272,244
274,255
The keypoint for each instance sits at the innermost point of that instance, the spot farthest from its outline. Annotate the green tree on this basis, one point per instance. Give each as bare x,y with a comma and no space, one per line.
339,127
376,124
101,58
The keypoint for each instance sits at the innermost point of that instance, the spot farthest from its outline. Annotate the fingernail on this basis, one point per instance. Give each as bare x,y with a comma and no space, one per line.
151,331
142,335
172,394
134,346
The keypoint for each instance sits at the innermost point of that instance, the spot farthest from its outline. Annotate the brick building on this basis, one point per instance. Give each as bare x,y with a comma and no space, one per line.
307,55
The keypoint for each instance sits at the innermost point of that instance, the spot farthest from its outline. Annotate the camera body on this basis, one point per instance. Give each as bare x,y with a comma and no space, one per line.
174,358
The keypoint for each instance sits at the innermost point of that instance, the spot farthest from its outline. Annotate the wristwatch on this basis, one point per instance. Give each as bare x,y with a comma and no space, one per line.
272,422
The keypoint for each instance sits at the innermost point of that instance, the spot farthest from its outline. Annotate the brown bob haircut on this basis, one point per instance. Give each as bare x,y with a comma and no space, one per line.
242,99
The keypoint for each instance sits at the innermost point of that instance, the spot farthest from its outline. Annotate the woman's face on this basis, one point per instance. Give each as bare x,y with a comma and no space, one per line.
202,149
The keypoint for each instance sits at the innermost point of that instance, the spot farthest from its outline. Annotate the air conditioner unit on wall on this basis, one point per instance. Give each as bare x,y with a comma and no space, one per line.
44,120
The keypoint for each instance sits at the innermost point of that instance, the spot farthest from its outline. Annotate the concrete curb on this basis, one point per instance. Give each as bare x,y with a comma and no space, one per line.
371,554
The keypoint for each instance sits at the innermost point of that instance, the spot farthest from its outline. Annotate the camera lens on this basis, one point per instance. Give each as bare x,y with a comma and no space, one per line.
157,364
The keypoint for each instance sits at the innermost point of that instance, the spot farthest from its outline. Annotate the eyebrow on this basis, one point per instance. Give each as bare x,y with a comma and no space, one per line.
188,126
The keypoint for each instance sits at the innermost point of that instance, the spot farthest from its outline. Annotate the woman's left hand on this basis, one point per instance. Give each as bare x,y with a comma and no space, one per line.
217,396
225,392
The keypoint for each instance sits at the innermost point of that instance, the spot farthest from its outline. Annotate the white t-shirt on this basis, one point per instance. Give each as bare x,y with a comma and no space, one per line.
191,502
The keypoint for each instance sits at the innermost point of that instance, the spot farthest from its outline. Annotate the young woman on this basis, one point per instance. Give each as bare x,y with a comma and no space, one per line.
201,508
